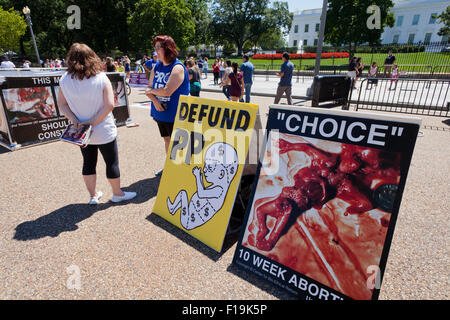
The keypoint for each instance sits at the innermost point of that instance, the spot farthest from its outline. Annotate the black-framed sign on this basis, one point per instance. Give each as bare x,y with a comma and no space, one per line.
322,214
30,112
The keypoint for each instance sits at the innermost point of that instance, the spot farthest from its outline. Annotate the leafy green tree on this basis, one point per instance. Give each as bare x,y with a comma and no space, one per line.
444,18
154,17
346,22
12,27
240,20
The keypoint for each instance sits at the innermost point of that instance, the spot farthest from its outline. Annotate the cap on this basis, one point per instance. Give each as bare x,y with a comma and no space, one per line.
154,54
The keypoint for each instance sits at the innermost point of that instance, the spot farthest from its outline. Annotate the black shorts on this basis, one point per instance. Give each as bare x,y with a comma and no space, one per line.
165,128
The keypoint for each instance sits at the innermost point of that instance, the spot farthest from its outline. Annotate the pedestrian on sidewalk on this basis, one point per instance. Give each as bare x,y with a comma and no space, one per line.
205,67
352,71
235,79
86,98
394,76
226,88
216,70
194,78
372,76
247,69
168,80
285,84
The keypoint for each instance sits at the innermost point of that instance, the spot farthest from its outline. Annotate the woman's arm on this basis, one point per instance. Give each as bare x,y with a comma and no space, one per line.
175,80
108,105
65,109
150,94
224,83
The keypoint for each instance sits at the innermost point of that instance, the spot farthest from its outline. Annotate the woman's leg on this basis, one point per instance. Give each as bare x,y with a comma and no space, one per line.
110,154
89,173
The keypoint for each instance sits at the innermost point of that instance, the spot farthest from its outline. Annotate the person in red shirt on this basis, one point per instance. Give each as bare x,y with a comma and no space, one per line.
216,70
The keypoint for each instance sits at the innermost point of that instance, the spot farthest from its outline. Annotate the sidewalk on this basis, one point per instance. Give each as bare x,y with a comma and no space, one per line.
265,86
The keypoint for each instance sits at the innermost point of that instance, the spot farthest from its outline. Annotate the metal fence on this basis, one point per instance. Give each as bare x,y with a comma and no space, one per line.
414,96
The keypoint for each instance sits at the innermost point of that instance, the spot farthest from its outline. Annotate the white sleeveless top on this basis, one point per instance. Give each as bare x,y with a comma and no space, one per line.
85,99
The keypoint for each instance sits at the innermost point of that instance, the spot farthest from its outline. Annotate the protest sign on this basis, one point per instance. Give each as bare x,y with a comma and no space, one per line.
206,157
326,199
30,112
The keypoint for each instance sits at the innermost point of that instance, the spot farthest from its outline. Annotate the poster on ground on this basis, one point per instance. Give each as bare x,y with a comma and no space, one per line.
325,202
203,167
30,112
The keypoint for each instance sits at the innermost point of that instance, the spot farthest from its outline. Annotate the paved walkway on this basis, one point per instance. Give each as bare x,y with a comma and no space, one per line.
49,235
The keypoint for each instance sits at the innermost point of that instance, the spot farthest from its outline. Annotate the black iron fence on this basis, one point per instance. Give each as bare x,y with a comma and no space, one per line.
414,96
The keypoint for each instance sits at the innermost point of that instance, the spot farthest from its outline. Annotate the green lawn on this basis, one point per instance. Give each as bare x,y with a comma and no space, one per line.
421,58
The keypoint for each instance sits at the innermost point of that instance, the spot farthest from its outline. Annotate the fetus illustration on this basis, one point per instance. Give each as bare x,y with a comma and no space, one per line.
220,167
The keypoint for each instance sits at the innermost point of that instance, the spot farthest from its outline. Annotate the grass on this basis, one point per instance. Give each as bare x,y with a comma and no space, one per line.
420,58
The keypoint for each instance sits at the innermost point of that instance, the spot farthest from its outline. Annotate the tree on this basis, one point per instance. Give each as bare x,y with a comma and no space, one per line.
12,27
444,18
346,22
240,20
154,17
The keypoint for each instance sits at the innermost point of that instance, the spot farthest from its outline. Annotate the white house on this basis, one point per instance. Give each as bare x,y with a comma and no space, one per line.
414,23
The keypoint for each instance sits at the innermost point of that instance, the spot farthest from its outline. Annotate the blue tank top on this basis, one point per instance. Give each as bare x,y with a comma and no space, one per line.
162,74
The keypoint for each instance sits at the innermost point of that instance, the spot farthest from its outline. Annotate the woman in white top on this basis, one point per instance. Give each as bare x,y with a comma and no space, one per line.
86,97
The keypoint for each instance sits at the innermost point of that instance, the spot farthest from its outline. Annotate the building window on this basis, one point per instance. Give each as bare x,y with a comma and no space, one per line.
432,20
305,42
411,38
427,38
317,27
295,43
399,21
416,19
296,28
395,39
316,41
306,27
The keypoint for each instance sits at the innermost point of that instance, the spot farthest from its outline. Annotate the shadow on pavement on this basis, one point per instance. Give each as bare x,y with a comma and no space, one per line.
66,218
231,235
262,284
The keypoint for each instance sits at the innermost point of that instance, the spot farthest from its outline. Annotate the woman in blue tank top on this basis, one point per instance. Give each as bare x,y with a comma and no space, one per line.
168,80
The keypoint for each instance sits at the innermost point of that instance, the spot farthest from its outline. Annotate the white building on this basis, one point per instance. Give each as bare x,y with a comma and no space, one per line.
413,23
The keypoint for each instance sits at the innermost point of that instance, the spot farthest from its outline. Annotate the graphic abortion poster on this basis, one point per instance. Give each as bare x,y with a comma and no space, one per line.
325,202
30,112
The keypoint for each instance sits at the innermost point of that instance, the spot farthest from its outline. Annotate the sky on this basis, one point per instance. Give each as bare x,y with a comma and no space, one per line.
302,4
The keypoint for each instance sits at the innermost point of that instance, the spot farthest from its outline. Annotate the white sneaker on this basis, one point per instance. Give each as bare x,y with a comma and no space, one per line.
94,200
126,196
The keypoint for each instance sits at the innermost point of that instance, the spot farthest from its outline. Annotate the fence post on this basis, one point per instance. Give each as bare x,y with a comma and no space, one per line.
267,72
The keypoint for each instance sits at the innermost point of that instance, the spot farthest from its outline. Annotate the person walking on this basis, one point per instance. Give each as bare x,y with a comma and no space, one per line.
227,72
352,71
235,79
168,80
86,98
247,69
194,78
285,75
216,70
205,67
200,65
